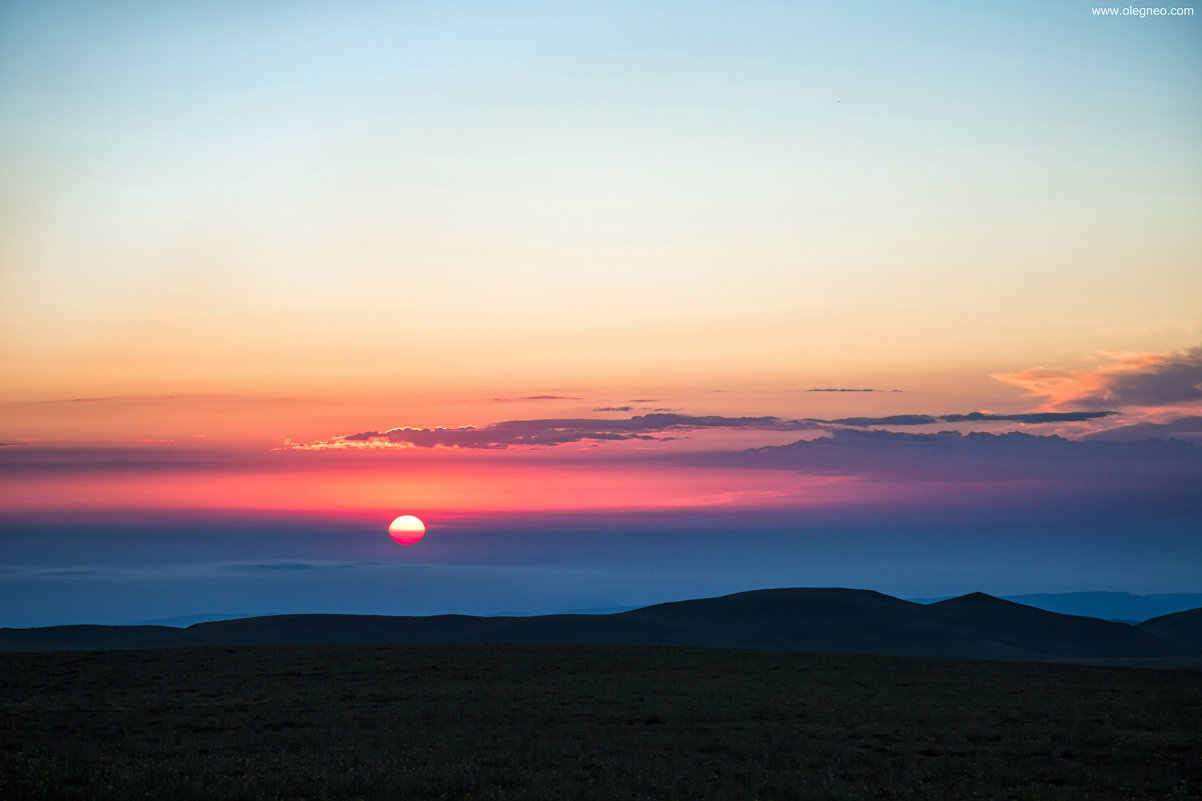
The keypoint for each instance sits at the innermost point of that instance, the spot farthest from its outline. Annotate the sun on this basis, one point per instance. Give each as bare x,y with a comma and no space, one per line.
407,530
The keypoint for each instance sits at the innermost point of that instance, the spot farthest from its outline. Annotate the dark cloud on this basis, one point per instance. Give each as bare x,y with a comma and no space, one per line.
1186,428
952,456
537,398
1035,417
894,420
643,400
550,432
844,389
1177,380
971,417
558,431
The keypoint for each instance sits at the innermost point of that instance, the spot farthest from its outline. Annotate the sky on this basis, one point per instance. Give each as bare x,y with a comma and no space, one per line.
629,301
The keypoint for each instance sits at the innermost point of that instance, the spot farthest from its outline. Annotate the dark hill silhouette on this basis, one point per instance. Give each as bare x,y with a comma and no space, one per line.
846,621
1181,627
1046,632
835,620
85,637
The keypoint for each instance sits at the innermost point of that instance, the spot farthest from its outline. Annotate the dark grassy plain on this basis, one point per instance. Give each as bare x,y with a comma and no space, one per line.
588,722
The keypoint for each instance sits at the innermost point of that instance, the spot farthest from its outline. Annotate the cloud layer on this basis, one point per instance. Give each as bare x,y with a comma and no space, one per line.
549,432
1184,428
1129,379
556,431
955,457
971,417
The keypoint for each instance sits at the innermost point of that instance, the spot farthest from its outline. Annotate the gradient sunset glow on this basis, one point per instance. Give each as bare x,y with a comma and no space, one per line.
823,274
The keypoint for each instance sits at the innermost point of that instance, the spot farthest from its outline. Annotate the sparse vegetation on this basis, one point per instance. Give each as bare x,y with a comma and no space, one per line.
587,722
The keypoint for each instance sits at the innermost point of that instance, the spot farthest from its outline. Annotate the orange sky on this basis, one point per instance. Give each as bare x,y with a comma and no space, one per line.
220,237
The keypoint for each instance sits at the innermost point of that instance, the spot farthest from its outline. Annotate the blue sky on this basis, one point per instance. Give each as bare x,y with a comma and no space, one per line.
570,280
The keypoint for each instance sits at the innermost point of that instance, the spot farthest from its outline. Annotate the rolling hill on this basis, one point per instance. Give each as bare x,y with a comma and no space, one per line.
834,620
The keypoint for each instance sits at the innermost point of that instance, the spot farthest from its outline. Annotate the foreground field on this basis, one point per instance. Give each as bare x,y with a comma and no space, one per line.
555,722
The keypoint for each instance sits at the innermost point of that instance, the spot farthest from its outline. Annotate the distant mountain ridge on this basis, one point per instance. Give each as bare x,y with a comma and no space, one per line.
974,626
1106,605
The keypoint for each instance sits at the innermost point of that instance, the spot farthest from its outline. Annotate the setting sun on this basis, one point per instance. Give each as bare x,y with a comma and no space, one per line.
407,530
